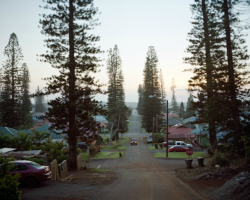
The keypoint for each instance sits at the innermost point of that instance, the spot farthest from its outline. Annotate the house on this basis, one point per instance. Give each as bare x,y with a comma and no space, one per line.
188,122
172,122
180,131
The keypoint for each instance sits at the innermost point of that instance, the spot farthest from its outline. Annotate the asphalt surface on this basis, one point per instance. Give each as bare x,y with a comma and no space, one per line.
140,176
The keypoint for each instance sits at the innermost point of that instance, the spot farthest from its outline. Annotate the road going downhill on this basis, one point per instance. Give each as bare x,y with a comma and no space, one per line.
140,176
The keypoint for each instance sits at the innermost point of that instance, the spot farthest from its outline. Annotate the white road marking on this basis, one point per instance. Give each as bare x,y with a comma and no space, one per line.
98,167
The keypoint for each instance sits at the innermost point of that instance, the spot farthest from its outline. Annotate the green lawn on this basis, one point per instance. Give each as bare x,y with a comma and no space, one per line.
179,155
100,170
123,140
105,155
115,147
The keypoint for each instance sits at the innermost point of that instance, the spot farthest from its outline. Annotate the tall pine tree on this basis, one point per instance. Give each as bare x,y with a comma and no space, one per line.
116,96
152,95
74,54
25,94
173,101
163,93
140,102
39,101
11,79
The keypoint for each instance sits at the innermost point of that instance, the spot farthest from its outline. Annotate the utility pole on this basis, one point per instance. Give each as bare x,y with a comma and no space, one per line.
156,131
153,132
167,132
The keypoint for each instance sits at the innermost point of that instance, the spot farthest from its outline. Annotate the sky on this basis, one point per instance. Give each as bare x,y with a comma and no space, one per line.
133,25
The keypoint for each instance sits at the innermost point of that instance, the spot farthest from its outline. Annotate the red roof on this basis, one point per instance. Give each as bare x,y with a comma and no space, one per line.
179,129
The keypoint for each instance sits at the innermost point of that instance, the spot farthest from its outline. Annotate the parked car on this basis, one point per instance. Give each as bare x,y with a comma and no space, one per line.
149,139
83,146
177,148
133,141
181,143
31,172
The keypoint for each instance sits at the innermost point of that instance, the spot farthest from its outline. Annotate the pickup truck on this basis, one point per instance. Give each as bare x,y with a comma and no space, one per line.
181,143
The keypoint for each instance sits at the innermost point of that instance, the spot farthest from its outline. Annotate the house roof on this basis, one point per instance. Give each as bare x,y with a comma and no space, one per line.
190,119
179,129
8,131
53,135
172,121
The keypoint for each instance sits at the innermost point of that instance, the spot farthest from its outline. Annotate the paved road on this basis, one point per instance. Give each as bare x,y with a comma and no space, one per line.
140,176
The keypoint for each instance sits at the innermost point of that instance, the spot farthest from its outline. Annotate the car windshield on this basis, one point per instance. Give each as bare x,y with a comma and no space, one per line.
33,164
133,139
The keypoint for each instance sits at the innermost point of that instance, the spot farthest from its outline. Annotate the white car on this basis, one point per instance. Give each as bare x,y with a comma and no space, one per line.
149,140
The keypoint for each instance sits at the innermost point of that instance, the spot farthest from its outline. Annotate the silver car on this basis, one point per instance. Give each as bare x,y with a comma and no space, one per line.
149,140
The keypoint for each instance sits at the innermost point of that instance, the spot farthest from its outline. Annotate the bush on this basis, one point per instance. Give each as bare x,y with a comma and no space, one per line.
8,181
62,158
160,144
40,161
159,138
78,150
209,150
156,146
219,159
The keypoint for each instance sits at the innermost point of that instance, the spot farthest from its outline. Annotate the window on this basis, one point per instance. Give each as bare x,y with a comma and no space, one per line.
20,167
33,164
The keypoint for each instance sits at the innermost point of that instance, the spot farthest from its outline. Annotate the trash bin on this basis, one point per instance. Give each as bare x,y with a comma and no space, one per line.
201,161
189,163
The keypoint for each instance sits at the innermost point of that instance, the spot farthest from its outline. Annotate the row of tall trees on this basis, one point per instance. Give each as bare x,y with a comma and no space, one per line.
219,54
72,51
15,103
117,110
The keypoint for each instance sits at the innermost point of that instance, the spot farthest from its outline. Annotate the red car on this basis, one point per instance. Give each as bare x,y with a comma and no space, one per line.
177,148
31,172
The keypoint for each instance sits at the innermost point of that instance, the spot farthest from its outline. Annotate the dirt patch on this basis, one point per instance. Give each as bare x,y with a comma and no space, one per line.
88,177
212,183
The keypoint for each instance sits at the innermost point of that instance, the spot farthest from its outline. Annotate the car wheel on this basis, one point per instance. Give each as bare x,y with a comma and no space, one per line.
30,182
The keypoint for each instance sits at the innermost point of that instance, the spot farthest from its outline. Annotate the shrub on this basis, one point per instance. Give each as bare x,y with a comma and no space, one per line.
209,151
8,181
40,161
62,158
219,159
156,146
78,150
160,144
159,138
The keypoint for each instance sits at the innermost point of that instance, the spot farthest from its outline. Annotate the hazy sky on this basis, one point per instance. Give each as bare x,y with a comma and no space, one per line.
133,25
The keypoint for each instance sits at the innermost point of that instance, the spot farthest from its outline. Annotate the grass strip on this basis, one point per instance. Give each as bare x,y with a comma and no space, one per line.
114,147
179,155
123,140
105,155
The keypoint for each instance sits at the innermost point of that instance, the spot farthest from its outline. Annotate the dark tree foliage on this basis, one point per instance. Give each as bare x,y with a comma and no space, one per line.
73,52
39,101
116,97
25,94
152,95
163,93
182,111
11,83
190,110
173,101
220,67
140,102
